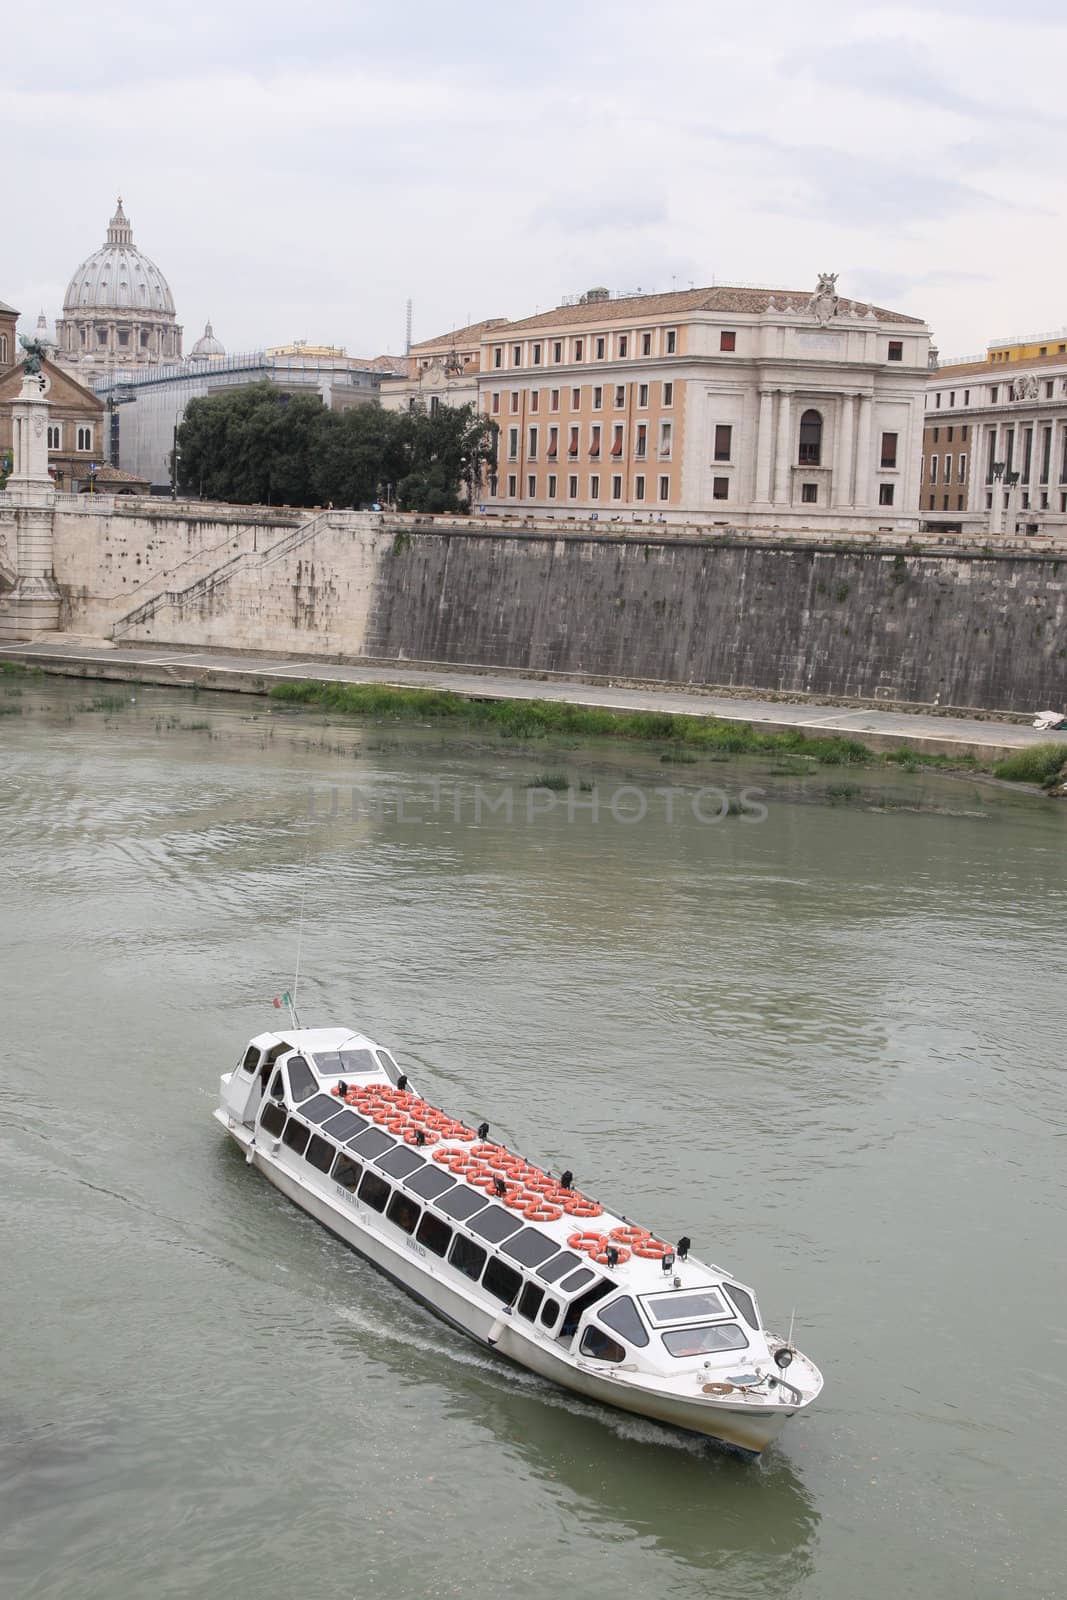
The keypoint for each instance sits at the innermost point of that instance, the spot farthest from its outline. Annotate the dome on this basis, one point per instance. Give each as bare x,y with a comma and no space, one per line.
207,346
117,277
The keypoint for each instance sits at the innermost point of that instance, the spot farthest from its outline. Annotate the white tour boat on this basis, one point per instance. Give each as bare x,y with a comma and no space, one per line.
517,1259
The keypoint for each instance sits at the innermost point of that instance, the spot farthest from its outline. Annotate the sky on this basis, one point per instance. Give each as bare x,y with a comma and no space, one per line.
301,172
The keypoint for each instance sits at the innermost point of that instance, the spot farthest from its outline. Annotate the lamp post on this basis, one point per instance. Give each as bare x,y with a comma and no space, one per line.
1012,481
997,469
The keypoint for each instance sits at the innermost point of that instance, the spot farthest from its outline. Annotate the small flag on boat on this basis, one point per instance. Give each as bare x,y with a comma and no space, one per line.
284,1001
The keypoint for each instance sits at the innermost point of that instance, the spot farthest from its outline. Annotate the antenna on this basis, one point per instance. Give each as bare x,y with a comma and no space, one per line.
299,940
407,331
792,1319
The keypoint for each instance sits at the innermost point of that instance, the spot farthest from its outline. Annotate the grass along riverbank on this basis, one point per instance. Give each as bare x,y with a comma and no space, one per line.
683,737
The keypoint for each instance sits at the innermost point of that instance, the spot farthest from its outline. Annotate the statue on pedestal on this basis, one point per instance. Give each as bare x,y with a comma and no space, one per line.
36,350
824,302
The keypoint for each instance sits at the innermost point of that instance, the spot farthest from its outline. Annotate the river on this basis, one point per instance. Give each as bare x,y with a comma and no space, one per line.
827,1042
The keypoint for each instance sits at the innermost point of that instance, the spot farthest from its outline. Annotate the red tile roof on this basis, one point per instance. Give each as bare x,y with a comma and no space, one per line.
745,302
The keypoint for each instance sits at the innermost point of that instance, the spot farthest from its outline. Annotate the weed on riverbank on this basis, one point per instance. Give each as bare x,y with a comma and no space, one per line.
1040,764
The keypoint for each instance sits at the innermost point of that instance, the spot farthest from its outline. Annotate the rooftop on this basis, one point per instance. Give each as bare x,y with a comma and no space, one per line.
745,302
472,334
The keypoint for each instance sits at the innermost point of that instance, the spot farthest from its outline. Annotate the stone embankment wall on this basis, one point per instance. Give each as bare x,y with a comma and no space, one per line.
966,627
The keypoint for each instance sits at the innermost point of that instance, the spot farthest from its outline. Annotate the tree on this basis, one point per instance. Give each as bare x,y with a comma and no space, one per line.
443,452
252,445
356,456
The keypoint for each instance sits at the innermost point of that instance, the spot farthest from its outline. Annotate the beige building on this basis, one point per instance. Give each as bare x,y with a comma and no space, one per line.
76,431
441,371
726,406
995,442
118,310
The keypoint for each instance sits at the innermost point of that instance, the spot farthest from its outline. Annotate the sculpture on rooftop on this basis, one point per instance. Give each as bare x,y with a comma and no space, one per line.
824,302
36,350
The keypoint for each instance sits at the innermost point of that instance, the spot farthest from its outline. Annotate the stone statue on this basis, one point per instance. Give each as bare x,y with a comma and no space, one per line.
824,302
36,351
1025,387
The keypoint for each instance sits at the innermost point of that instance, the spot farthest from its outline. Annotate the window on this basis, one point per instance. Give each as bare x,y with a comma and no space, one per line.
745,1304
553,400
277,1088
937,434
594,439
577,1280
572,488
514,402
557,350
578,348
576,399
885,494
272,1117
672,341
809,494
810,439
600,347
702,1341
401,1162
665,438
531,487
642,394
55,442
516,355
668,394
685,1306
498,356
101,336
346,1172
535,399
434,1234
374,1191
513,486
624,345
594,487
896,350
727,340
639,488
616,439
646,344
598,398
951,404
599,1345
1048,391
554,1269
495,407
720,488
664,488
431,1182
552,486
616,488
724,435
620,396
549,1313
463,1203
403,1212
513,443
966,397
296,1135
959,502
994,392
319,1152
537,355
85,438
532,444
948,434
948,470
624,1318
501,1281
641,441
889,450
961,469
553,444
3,348
467,1257
933,469
530,1301
530,1247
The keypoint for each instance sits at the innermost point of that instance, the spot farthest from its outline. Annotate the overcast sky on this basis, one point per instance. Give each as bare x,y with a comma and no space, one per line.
300,171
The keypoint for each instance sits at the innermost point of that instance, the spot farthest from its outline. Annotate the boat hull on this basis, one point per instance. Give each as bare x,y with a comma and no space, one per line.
742,1426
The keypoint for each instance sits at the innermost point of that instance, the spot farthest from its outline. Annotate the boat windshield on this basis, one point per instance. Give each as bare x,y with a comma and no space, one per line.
344,1063
704,1341
683,1307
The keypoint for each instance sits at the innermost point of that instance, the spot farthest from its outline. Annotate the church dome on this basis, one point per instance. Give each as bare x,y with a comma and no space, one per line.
117,277
207,347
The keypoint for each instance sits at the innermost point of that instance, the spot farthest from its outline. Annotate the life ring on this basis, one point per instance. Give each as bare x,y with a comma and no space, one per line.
579,1206
516,1198
653,1249
586,1241
540,1212
482,1180
484,1149
411,1136
630,1236
718,1388
444,1156
622,1254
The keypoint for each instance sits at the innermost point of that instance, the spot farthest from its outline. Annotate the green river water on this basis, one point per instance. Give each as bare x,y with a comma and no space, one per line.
828,1044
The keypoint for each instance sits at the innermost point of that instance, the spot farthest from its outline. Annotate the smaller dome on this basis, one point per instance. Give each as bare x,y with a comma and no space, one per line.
207,346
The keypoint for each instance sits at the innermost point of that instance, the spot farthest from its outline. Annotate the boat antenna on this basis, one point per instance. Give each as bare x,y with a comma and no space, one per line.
792,1319
299,938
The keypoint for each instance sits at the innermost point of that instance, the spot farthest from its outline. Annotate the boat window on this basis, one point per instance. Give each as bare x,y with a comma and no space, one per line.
558,1266
374,1191
347,1172
578,1308
682,1307
277,1088
745,1305
434,1234
596,1343
344,1063
549,1313
467,1257
623,1316
403,1211
495,1224
302,1080
319,1152
344,1125
502,1281
463,1204
372,1143
388,1061
272,1117
703,1341
576,1280
251,1060
399,1163
317,1110
530,1246
431,1183
296,1135
530,1301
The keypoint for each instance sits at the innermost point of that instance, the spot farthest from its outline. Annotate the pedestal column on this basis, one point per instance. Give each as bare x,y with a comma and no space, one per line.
863,453
763,448
784,452
33,603
841,491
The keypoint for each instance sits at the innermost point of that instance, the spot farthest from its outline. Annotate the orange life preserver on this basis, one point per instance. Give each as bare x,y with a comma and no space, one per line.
586,1241
602,1255
444,1156
630,1235
579,1206
540,1212
653,1249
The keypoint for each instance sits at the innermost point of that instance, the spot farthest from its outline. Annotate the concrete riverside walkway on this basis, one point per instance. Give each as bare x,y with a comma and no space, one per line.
986,737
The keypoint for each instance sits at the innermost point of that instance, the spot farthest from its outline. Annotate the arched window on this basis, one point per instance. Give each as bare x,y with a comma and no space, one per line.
810,439
3,349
